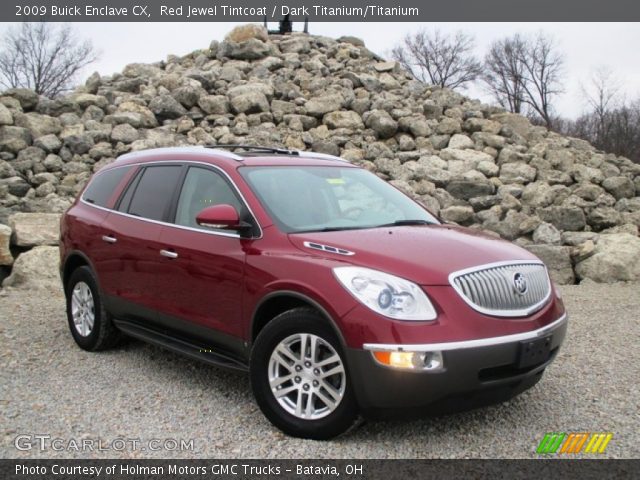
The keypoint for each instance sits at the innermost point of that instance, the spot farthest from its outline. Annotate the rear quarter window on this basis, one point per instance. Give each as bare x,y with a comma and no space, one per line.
103,185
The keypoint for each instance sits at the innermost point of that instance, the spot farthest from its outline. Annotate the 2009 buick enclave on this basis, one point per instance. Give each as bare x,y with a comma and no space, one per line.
338,293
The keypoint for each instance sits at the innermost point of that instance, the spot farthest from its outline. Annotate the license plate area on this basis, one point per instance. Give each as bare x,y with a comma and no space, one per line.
534,352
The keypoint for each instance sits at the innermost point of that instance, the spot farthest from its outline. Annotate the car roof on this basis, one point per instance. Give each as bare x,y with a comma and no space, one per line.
261,156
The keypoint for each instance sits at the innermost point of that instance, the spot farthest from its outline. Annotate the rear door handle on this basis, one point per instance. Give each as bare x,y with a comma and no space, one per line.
109,239
168,254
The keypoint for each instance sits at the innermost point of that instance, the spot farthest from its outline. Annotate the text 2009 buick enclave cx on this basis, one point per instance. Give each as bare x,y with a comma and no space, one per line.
338,293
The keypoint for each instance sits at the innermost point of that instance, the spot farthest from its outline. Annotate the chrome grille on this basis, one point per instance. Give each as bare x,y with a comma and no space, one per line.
494,289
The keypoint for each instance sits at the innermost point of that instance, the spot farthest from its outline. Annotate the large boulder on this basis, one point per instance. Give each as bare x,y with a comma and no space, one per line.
242,33
36,269
6,117
343,119
558,261
33,229
382,123
165,106
13,139
252,49
616,258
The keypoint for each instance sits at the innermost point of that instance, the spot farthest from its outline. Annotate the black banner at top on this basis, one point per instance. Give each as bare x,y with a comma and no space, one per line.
319,10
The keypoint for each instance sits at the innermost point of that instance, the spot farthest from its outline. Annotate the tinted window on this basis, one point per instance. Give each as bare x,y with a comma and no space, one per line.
103,185
153,192
203,188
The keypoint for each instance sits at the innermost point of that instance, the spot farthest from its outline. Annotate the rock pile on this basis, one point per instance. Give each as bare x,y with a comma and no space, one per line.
471,163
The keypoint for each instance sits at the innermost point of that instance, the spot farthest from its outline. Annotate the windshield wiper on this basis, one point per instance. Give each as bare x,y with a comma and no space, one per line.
404,223
333,229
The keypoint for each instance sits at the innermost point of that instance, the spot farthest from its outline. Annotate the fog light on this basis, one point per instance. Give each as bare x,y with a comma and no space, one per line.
430,361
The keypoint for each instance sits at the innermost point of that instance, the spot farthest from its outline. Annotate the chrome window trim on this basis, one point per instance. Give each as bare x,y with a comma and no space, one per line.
151,163
479,343
501,313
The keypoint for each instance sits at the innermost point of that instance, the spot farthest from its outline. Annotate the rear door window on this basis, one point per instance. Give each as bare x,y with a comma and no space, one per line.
103,186
153,192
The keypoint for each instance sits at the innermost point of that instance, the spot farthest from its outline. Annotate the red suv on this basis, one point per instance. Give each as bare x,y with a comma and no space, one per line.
338,293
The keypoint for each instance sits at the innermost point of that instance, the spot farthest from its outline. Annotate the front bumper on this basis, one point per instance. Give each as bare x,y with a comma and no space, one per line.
476,373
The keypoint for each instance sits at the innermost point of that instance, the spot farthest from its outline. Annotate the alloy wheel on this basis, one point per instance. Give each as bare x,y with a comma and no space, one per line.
307,376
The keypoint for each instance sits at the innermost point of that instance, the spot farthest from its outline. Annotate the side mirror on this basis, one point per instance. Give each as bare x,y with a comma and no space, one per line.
220,216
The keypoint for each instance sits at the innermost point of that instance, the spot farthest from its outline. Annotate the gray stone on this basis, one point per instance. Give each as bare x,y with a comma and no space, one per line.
557,260
460,141
318,106
48,143
547,234
165,106
343,119
250,102
13,139
458,214
296,44
6,258
564,218
187,96
33,229
381,123
36,269
28,98
6,117
448,126
517,173
616,258
251,49
124,133
16,186
214,104
79,144
466,189
619,187
603,217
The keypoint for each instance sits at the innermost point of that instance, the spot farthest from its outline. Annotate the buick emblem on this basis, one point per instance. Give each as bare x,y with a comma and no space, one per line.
519,283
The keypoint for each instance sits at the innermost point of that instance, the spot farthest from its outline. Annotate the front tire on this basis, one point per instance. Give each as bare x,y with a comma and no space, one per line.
299,376
91,325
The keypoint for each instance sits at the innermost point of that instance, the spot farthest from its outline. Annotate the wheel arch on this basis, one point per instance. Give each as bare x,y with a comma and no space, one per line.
75,260
275,303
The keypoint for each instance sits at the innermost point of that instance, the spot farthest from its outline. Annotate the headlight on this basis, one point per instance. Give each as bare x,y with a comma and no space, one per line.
386,294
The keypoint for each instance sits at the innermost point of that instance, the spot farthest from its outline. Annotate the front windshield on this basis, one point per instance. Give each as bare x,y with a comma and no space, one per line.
309,198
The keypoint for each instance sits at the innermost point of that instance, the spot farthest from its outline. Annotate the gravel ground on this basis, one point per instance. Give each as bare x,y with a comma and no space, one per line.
49,386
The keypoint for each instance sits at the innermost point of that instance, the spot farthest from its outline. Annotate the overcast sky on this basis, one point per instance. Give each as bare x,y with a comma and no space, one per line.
586,45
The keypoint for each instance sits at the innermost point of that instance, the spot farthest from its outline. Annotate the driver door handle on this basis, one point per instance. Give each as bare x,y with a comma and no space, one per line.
109,239
168,254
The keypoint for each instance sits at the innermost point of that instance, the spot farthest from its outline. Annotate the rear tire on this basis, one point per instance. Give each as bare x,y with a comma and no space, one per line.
299,376
91,325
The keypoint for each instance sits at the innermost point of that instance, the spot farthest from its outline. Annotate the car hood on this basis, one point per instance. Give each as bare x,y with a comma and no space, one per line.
425,254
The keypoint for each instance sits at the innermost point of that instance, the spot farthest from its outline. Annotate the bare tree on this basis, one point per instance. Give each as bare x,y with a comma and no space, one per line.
439,59
602,94
504,72
42,57
543,69
523,74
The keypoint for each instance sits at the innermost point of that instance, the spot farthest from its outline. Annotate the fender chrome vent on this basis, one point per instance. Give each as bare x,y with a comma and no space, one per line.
329,249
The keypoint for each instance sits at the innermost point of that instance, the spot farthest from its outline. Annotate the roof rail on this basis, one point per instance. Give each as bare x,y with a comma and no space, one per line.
257,148
320,156
170,150
282,151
